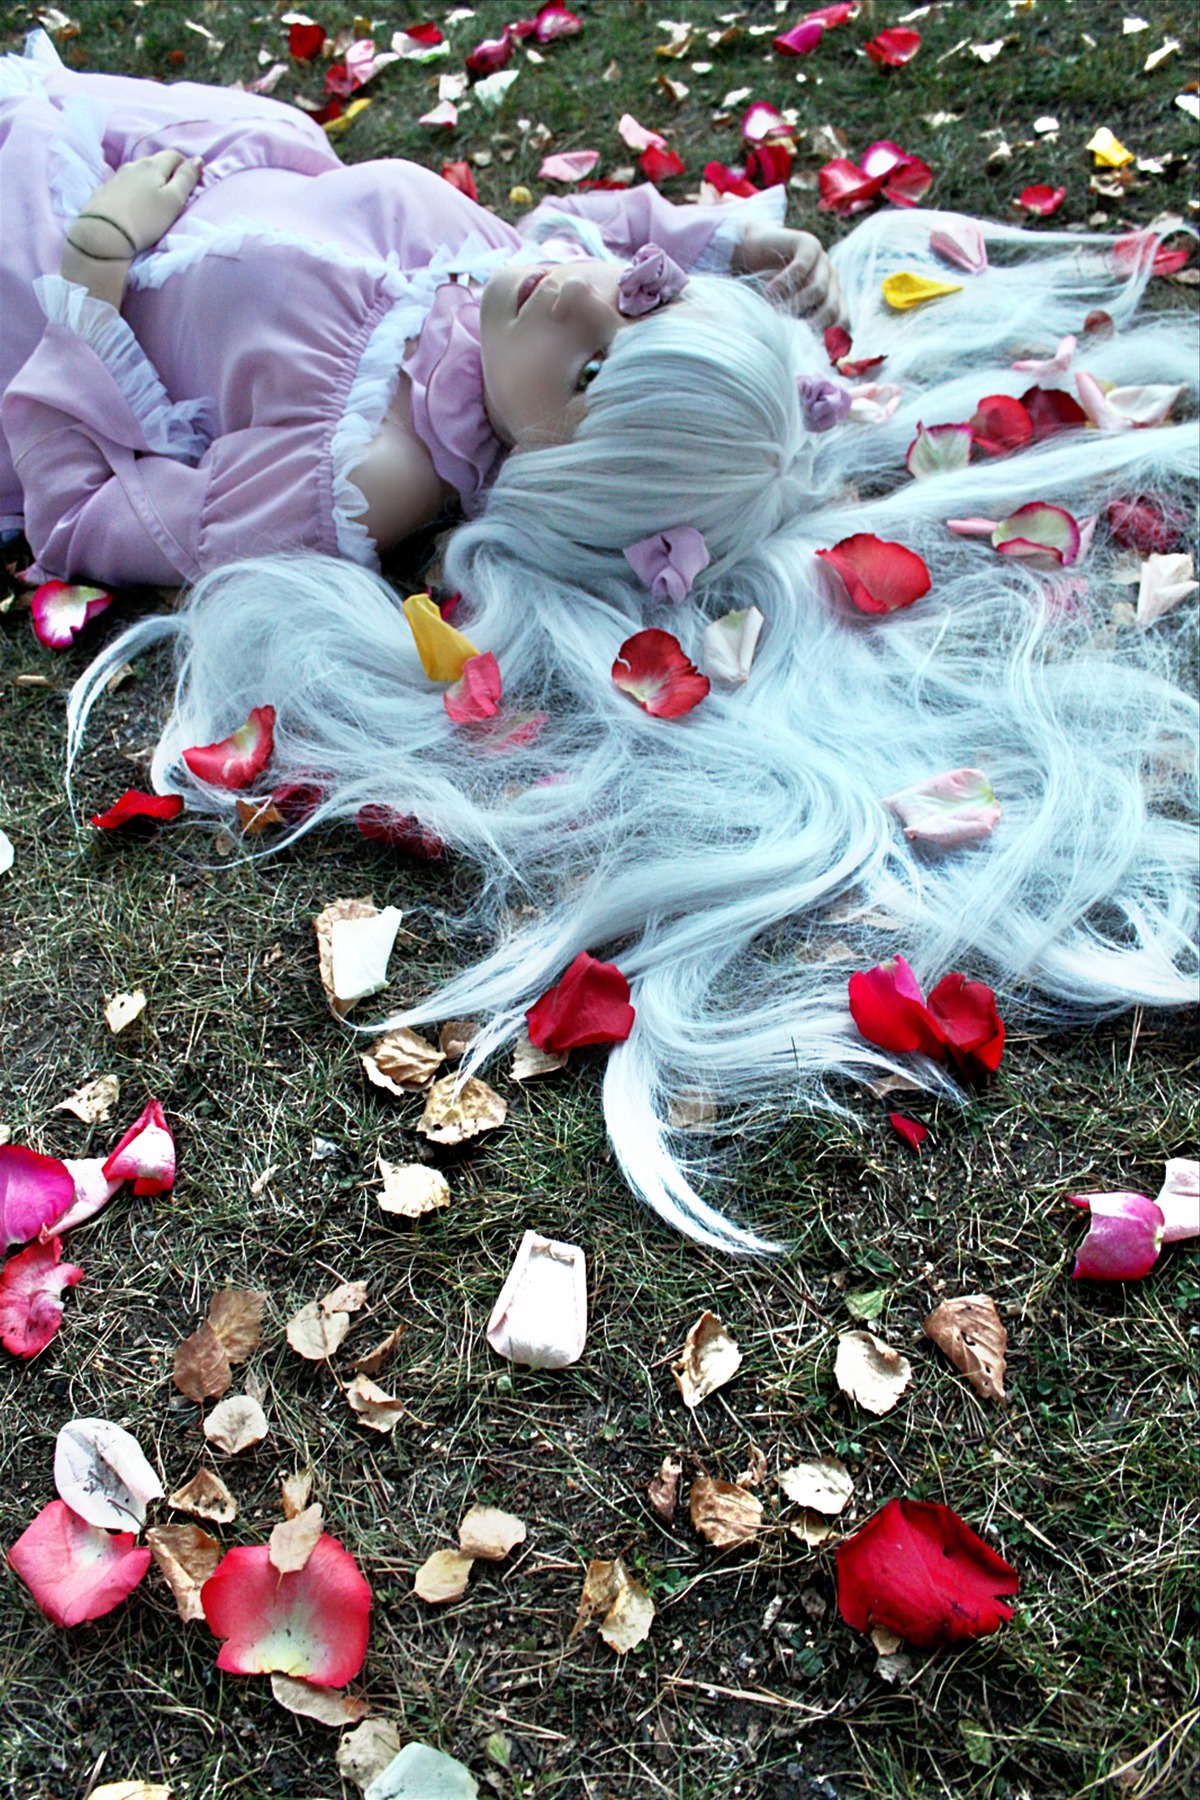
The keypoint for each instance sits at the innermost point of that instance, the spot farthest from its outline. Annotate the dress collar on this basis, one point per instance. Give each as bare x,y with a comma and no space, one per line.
446,371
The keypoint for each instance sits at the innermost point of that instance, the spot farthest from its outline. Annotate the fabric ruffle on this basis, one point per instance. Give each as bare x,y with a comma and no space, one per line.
368,400
448,413
180,429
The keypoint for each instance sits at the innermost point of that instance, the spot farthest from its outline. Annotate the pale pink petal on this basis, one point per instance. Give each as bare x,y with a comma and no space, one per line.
955,807
873,402
637,136
971,527
1050,365
960,243
540,1317
1040,533
1179,1201
569,165
1122,408
728,646
444,113
93,1191
1165,581
881,158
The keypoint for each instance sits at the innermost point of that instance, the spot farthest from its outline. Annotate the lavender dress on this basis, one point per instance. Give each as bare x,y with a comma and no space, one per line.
220,412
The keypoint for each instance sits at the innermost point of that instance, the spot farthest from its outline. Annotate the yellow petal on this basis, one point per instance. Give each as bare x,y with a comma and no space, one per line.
335,127
442,650
1110,152
904,291
520,196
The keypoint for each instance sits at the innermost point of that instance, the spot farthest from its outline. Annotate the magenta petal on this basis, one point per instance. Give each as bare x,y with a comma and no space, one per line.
35,1190
76,1571
60,611
1123,1240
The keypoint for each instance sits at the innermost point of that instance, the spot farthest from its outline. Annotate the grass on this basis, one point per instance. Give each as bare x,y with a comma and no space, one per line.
1086,1482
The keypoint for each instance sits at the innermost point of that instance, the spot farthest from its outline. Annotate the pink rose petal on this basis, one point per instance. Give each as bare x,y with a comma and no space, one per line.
146,1153
35,1190
960,243
569,165
76,1571
30,1285
1123,1240
956,807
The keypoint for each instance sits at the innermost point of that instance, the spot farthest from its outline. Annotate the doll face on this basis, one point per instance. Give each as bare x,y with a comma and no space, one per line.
545,331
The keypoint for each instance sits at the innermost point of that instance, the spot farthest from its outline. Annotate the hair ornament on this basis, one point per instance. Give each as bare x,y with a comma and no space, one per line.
669,561
823,404
649,280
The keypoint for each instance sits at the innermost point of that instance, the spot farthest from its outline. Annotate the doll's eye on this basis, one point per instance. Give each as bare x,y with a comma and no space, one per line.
590,370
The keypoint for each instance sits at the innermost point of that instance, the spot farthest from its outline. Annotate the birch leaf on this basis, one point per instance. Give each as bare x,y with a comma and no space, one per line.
709,1359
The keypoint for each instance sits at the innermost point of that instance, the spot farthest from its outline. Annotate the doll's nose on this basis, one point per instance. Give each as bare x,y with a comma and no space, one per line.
577,299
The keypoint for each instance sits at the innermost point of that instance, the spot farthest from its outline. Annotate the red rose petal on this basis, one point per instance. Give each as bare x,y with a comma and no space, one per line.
657,165
801,38
879,577
892,48
311,1623
399,831
829,16
845,189
911,1130
235,761
1052,410
493,54
459,175
1136,247
59,611
920,1571
304,41
653,670
909,184
427,33
1001,423
146,1153
728,181
1144,524
966,1015
34,1191
76,1571
889,1009
837,343
297,801
590,1005
30,1285
135,806
1042,200
1124,1237
769,165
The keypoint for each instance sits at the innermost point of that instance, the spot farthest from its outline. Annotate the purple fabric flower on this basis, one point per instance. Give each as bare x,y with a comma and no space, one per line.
823,404
669,561
650,280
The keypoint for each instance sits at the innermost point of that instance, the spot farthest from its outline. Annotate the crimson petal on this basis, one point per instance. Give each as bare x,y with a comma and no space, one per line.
909,184
235,761
889,1009
801,38
1042,200
965,1013
35,1190
399,831
879,577
892,48
837,343
1001,423
60,611
311,1623
920,1571
135,807
554,21
590,1005
76,1571
30,1285
845,188
304,41
727,180
1052,410
490,56
459,175
657,165
769,165
1143,523
652,669
911,1130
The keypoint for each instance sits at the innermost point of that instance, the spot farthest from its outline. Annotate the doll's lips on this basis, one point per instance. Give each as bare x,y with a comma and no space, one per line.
527,286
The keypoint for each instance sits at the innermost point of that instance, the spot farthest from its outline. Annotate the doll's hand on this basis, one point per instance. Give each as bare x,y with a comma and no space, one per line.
801,277
136,207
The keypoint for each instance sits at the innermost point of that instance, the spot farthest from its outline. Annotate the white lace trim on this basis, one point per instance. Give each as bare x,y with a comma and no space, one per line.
179,429
767,208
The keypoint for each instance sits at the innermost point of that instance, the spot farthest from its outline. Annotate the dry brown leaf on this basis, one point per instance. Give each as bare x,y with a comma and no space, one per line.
663,1491
314,1334
456,1110
709,1359
971,1333
326,1705
381,1411
402,1061
294,1491
489,1534
256,815
235,1424
293,1541
374,1360
122,1009
93,1101
201,1368
348,1297
755,1473
442,1577
456,1037
870,1371
692,1110
365,1753
622,1605
236,1316
528,1061
187,1556
723,1513
205,1496
810,1528
412,1189
823,1485
323,924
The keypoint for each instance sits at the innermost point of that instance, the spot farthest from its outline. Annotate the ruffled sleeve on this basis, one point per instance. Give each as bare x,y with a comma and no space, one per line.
701,239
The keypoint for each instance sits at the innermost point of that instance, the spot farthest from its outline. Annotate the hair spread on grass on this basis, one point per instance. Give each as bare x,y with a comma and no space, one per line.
738,863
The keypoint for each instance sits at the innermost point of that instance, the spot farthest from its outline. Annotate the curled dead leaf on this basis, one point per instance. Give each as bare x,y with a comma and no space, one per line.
236,1424
824,1484
755,1472
456,1038
528,1061
315,1334
870,1371
443,1577
94,1101
205,1496
294,1491
456,1110
235,1315
187,1556
709,1359
326,1705
663,1491
810,1528
381,1353
366,1752
723,1513
293,1541
256,815
412,1189
971,1333
487,1533
122,1009
402,1061
347,1297
381,1411
201,1368
622,1606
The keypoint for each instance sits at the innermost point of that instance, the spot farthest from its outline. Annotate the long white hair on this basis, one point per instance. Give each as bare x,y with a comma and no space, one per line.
738,863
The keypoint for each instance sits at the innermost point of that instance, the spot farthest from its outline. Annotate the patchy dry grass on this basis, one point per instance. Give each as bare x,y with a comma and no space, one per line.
1088,1480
